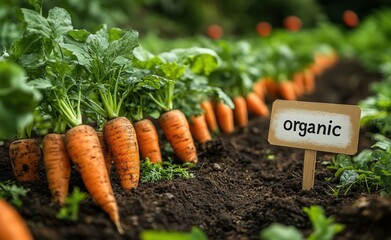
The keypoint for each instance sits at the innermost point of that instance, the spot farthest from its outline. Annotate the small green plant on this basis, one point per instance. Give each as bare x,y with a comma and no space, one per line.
324,228
195,234
153,172
12,193
70,209
369,170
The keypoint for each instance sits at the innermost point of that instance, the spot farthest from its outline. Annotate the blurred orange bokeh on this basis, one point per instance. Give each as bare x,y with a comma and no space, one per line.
292,23
215,31
264,29
350,18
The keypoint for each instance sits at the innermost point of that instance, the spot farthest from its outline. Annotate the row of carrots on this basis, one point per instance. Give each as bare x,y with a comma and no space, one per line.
301,82
94,152
122,142
108,68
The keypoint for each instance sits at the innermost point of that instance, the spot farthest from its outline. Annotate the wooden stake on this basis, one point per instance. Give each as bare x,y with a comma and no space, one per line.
309,169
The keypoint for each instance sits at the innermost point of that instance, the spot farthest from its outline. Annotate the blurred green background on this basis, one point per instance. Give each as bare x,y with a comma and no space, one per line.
177,18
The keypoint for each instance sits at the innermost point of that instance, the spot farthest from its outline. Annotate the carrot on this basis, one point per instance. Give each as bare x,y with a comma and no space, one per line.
271,87
57,165
309,81
320,64
12,224
209,115
148,140
122,141
240,111
25,155
256,105
298,83
287,90
177,131
334,57
107,154
259,89
315,69
199,129
225,117
84,148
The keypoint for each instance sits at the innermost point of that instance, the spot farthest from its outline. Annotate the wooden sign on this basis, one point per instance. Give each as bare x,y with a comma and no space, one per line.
314,127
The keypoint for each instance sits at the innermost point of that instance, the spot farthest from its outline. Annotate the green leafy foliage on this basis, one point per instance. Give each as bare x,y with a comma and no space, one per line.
167,170
367,49
179,71
324,228
12,193
195,234
369,170
278,231
70,210
17,100
376,109
239,67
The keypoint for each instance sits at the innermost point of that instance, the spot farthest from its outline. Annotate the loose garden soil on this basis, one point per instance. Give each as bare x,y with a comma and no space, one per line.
237,189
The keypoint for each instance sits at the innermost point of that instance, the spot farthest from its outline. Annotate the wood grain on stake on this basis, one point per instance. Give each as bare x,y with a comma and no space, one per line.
309,169
314,127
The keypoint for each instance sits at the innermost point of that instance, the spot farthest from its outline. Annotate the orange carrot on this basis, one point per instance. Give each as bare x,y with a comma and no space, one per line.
107,154
25,155
309,81
334,57
298,83
177,131
259,89
122,141
287,90
240,111
320,62
148,140
84,148
315,69
57,165
256,105
271,87
13,226
199,129
209,115
225,117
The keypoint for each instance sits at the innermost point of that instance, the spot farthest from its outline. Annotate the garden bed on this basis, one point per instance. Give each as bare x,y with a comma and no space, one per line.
236,191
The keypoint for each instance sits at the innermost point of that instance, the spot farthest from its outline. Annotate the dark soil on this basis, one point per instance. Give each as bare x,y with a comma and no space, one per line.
236,191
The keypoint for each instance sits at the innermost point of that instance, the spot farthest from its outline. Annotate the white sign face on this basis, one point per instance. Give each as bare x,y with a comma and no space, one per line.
315,126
